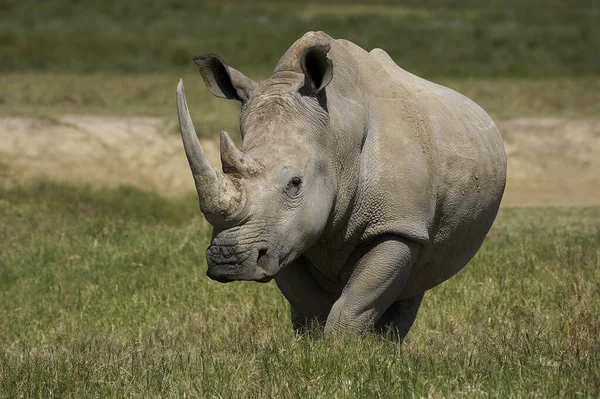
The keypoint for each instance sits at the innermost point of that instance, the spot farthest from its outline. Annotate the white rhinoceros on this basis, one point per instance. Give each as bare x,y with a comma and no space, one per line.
359,185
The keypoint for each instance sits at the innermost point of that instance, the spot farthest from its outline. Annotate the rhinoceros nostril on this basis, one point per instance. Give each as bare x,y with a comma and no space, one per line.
261,252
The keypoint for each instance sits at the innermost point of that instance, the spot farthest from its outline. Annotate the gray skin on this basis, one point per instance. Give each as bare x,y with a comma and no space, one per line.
359,185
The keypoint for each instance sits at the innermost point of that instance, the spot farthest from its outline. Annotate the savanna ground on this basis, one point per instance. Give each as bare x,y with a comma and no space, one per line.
103,290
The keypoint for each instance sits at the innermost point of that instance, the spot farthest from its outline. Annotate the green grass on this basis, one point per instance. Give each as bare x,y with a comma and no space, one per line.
113,57
103,294
432,38
50,94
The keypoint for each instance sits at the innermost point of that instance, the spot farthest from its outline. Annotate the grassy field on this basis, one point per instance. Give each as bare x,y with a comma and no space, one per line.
48,94
124,58
103,294
495,38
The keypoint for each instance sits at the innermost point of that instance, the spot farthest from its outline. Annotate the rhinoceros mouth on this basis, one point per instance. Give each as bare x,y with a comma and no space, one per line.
262,269
229,273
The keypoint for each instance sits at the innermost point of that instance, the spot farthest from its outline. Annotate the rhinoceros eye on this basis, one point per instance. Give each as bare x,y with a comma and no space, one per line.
294,186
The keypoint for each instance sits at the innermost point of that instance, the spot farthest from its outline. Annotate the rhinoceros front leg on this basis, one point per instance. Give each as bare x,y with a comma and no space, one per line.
380,272
310,304
399,318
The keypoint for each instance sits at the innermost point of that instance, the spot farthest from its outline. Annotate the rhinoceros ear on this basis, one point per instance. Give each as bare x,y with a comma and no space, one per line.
222,80
317,68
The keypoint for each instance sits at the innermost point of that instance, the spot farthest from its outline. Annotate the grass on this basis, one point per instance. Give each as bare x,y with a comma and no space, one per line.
103,294
512,39
51,94
124,58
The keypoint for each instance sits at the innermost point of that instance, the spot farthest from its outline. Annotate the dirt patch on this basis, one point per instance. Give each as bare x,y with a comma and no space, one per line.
111,151
551,161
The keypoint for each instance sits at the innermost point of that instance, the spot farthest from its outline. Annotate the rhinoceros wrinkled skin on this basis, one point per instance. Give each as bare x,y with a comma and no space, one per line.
358,187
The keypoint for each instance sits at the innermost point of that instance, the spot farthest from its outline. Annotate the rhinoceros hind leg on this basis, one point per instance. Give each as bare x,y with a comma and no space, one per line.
399,318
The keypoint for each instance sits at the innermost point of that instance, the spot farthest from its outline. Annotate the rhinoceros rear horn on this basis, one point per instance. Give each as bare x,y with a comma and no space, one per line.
221,197
317,68
234,161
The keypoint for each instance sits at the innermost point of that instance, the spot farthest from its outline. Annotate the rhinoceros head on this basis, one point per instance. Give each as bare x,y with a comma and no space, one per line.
275,195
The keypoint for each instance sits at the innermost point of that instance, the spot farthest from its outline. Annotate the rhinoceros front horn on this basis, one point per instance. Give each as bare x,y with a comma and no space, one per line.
221,196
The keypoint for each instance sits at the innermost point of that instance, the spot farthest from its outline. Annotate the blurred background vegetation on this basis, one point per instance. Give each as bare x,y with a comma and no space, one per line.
513,38
515,57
